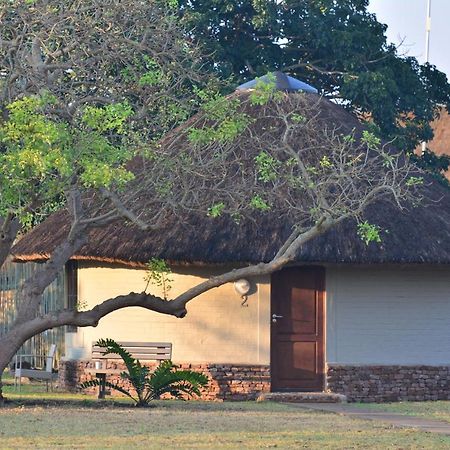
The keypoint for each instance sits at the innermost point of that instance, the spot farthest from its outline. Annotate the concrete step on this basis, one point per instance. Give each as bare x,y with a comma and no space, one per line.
302,397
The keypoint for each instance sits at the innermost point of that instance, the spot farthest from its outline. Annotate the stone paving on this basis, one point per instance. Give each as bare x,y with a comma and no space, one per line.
395,419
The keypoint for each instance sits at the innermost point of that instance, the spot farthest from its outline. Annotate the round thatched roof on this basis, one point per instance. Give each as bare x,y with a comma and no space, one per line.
416,235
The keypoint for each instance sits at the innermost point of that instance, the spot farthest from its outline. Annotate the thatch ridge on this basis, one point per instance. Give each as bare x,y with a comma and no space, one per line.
417,235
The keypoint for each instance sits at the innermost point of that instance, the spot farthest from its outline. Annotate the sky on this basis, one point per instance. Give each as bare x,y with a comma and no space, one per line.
406,22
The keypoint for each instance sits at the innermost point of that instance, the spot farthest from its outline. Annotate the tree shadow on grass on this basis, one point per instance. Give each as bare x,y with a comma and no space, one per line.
34,395
55,402
61,400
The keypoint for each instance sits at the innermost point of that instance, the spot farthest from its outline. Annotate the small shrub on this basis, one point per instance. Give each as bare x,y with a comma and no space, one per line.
166,378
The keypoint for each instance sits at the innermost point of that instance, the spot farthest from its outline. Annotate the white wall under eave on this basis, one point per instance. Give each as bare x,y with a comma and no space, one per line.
217,329
388,316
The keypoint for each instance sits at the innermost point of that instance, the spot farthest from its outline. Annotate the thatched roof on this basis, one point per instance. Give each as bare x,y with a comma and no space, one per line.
417,235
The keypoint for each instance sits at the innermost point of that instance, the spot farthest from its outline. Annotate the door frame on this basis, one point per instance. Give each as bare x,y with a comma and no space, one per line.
321,292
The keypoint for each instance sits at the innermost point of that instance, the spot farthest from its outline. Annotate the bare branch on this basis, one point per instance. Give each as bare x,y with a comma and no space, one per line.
125,212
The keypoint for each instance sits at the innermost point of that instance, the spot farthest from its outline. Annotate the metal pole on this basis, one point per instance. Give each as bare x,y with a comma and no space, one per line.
427,32
427,48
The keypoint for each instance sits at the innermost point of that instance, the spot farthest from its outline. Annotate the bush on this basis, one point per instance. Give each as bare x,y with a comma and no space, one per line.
166,378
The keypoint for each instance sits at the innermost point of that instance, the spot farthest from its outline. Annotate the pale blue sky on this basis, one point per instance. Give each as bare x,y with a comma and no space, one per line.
406,21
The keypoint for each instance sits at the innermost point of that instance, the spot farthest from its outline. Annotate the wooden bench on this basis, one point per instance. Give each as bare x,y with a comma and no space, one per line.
45,372
144,351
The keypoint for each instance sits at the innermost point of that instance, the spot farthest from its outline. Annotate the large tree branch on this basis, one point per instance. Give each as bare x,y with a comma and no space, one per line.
92,317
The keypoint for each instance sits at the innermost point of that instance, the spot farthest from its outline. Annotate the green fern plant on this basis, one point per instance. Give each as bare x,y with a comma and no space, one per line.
166,378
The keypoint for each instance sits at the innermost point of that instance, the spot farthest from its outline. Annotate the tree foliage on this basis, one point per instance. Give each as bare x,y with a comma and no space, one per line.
337,46
82,85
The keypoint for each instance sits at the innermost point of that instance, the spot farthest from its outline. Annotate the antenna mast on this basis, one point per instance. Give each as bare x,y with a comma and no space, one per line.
427,32
427,48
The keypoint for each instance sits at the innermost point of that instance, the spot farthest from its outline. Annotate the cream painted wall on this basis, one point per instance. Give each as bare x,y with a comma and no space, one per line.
388,315
217,328
374,316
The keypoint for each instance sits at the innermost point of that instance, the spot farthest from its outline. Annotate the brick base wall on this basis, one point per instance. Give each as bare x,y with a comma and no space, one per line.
226,381
390,383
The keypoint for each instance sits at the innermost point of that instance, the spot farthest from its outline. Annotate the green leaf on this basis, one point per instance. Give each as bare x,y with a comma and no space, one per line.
158,273
298,118
414,181
267,167
265,90
216,210
369,232
108,118
325,162
373,142
257,202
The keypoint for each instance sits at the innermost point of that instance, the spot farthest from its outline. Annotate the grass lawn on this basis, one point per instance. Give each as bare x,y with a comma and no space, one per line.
36,419
439,410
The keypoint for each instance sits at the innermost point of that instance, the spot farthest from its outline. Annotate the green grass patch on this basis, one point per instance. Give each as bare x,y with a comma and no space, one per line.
73,422
199,425
36,419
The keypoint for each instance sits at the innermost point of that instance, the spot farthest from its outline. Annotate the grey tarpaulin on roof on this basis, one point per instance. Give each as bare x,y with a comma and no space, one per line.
283,82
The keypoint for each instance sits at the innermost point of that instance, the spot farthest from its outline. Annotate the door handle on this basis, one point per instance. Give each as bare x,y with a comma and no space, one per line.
275,317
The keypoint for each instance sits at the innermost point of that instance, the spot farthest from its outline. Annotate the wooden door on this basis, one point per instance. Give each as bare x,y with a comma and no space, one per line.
297,313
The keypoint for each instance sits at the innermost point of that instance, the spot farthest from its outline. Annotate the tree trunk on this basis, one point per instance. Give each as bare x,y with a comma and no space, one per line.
8,233
9,345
